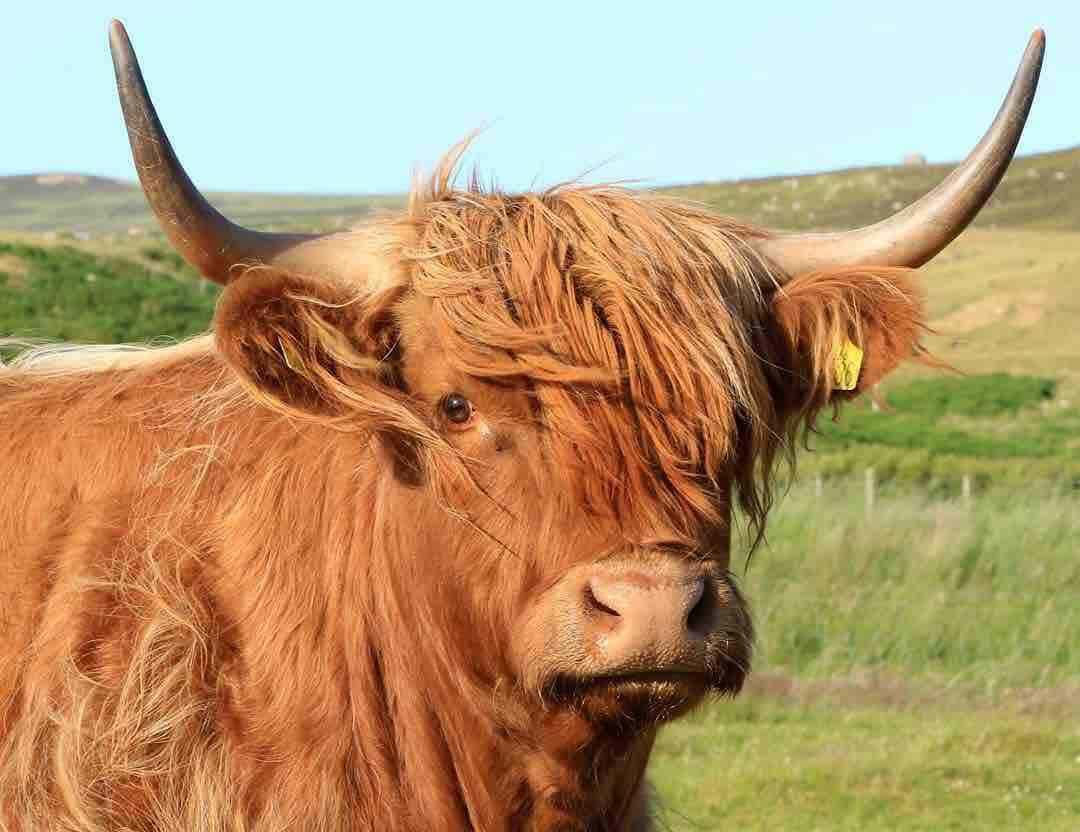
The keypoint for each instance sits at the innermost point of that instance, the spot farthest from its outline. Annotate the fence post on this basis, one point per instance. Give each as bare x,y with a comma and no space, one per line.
965,489
869,491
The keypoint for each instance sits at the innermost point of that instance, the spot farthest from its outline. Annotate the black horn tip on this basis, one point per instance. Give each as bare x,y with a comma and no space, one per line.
118,36
1036,46
123,55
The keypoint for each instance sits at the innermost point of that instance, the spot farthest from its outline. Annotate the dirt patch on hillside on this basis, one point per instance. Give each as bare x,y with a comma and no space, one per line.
1030,308
892,691
973,316
1022,309
52,179
14,266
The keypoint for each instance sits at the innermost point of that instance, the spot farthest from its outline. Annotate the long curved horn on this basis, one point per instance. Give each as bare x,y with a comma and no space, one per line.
206,239
914,235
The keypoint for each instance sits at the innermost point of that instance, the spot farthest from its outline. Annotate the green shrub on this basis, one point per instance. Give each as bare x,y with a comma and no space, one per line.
69,294
166,257
936,430
979,396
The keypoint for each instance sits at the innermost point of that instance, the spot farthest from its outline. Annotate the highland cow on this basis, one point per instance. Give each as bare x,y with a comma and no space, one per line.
433,531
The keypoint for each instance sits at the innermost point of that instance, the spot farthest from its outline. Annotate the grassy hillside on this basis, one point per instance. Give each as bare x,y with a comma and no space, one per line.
1038,192
1041,191
77,204
996,428
67,294
1005,301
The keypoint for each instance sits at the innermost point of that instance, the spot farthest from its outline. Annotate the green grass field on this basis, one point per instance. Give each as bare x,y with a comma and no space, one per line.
917,668
772,764
68,294
996,428
985,594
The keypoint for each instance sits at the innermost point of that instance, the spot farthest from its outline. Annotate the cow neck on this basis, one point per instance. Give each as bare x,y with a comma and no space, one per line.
575,775
484,762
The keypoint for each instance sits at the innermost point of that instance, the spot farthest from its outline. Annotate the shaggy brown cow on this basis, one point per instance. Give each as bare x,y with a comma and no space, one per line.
432,532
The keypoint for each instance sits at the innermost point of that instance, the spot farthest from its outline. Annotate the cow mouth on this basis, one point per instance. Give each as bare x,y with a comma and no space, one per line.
641,680
648,697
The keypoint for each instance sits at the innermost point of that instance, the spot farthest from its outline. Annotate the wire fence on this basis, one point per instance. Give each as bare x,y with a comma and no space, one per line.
872,489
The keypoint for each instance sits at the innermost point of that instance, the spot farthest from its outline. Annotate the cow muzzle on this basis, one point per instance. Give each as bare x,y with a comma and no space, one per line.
655,626
652,620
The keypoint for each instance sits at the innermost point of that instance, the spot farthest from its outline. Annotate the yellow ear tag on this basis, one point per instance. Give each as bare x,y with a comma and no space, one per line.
848,362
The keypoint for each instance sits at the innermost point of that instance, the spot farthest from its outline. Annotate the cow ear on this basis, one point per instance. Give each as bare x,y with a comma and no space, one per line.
839,333
304,344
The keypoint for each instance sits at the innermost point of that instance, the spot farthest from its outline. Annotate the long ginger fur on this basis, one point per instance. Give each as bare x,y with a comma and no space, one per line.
250,583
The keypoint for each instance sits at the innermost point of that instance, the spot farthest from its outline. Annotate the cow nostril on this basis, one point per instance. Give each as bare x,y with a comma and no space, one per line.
697,618
595,605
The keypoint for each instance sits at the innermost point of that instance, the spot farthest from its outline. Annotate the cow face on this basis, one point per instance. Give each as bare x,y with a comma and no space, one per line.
567,393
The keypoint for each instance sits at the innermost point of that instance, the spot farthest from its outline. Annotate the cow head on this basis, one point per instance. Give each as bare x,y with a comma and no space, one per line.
568,392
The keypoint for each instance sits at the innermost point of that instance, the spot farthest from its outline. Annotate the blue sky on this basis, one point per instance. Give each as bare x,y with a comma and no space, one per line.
349,97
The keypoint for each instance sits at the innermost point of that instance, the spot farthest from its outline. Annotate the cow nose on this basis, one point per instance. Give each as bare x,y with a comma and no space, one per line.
648,621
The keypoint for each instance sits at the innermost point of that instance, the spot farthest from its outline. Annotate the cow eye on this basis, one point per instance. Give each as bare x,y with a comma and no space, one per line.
457,409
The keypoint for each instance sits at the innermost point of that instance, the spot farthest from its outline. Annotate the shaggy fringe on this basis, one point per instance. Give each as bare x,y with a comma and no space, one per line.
638,323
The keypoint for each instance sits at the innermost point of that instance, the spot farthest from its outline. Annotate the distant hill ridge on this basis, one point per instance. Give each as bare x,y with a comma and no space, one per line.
1041,191
61,179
